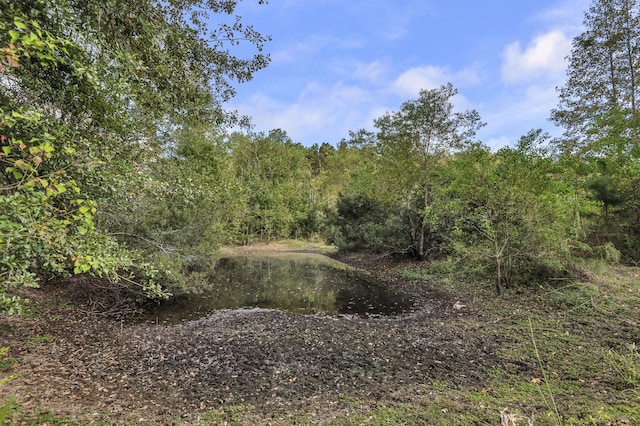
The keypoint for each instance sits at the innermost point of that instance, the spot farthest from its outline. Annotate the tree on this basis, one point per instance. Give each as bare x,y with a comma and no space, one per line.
599,110
46,222
508,210
89,92
166,212
276,176
363,224
602,86
411,143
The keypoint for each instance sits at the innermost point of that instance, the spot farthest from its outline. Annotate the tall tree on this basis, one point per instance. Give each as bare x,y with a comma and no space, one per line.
602,89
599,108
413,140
276,176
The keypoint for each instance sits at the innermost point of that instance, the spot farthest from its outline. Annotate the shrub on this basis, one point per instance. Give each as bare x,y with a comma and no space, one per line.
361,224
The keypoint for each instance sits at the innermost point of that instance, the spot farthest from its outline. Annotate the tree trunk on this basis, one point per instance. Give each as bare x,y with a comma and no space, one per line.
423,225
498,254
421,242
499,275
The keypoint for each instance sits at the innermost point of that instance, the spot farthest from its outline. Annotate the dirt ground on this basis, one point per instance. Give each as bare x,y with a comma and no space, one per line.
94,368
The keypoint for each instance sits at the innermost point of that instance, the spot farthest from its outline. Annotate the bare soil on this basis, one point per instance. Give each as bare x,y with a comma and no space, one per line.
93,368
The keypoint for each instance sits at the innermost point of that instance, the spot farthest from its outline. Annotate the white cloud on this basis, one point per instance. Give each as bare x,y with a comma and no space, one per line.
313,46
319,110
565,15
372,72
292,52
410,82
413,80
543,58
511,116
541,99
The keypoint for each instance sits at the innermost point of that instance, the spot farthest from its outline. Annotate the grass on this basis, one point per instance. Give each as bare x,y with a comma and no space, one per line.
626,366
5,361
547,394
230,414
580,335
317,246
8,406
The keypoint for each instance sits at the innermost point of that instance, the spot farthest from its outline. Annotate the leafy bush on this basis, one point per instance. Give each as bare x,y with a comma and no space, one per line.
608,252
46,218
361,224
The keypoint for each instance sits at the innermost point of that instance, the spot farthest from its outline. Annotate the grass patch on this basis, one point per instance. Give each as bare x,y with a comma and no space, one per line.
405,414
9,406
579,338
41,339
231,413
626,366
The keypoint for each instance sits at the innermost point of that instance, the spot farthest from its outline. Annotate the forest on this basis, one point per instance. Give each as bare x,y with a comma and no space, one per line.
119,161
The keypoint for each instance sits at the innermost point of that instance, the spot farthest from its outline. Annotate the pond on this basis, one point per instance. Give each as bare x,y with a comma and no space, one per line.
293,282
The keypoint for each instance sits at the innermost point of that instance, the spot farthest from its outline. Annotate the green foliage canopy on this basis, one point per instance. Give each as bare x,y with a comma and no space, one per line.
89,93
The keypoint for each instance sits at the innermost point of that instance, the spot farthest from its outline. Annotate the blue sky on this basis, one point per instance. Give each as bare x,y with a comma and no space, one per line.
339,64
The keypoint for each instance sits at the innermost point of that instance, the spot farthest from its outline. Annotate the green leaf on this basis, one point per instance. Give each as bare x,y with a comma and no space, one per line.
14,35
28,184
19,23
21,164
16,173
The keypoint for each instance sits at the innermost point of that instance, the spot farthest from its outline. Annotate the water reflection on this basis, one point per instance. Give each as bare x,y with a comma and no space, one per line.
293,282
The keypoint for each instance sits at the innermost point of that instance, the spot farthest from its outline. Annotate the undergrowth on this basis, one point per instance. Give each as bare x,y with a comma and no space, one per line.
9,405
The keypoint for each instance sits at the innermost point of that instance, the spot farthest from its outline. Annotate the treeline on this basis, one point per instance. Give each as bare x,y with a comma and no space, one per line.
517,215
116,159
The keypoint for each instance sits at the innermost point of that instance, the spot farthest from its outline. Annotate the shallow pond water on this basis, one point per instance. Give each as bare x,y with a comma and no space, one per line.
293,282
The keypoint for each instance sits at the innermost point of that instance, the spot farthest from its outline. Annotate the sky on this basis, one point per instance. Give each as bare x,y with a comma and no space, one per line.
337,65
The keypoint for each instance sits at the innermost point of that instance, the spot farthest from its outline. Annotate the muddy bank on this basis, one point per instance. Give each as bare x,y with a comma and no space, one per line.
96,368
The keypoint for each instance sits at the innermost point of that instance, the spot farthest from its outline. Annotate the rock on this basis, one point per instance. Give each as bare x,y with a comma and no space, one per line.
459,305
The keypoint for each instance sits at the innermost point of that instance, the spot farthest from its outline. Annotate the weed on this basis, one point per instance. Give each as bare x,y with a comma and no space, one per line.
231,413
8,408
513,419
436,413
51,419
351,402
5,362
10,405
626,366
548,399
